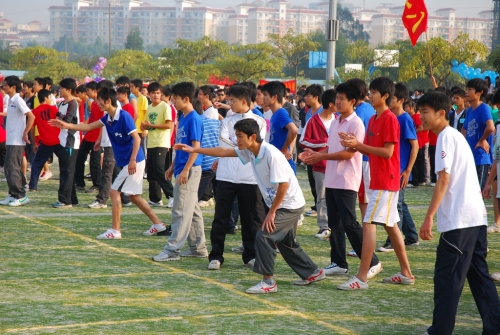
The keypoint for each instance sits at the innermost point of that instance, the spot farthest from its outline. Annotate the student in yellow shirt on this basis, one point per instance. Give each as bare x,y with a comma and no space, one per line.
142,106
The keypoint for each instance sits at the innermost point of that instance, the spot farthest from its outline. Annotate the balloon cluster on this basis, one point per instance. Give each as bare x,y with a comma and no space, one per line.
97,69
468,72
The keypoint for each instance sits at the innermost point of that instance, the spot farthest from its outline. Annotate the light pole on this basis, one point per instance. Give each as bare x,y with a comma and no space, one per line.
109,27
332,35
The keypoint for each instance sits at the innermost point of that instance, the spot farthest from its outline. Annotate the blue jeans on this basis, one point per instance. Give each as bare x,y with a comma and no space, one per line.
406,224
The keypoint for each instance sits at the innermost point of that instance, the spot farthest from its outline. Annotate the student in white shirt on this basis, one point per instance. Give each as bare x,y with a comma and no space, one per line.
205,95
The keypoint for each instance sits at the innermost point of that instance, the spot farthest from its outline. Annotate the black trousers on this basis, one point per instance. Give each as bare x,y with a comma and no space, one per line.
341,209
312,184
208,185
251,207
418,171
67,161
432,160
87,148
3,150
461,254
155,164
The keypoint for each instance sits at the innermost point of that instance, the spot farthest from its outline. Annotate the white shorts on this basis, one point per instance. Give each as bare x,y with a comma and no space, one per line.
364,191
130,184
382,208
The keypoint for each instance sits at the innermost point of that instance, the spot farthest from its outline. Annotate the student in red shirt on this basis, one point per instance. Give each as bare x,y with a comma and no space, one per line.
123,93
47,139
381,144
418,172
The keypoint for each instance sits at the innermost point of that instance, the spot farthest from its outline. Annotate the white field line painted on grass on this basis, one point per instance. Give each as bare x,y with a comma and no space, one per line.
139,274
282,309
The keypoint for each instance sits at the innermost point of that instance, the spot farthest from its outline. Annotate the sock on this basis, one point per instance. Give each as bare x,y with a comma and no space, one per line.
268,281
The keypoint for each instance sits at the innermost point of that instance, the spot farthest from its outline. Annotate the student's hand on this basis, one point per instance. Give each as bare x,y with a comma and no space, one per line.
182,178
97,146
486,191
348,140
483,144
184,147
268,224
145,125
57,123
35,148
433,82
132,167
311,157
169,173
287,154
26,138
215,165
426,229
144,133
405,177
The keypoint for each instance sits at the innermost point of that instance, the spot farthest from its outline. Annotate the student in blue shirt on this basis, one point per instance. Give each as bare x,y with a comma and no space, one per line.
187,220
126,148
283,130
478,128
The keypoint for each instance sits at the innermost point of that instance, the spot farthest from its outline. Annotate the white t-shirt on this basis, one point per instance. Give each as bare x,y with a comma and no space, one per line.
462,205
271,168
16,120
212,113
327,123
5,102
267,116
68,111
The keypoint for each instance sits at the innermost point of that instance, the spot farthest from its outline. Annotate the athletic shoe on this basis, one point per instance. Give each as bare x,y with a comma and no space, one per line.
398,278
323,234
312,278
7,200
374,270
170,202
166,232
493,229
46,175
127,204
353,284
352,253
79,188
96,204
19,202
203,203
334,270
165,257
214,265
301,220
411,244
88,176
238,249
410,185
145,176
61,205
495,276
109,234
431,184
155,204
250,263
263,288
386,248
93,189
189,253
312,213
155,228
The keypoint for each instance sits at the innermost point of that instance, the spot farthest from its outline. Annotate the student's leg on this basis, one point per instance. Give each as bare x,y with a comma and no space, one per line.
2,153
12,169
205,182
95,165
322,215
432,160
496,213
399,248
67,160
337,235
79,177
368,246
482,174
43,153
154,187
159,166
408,227
310,178
144,207
106,175
196,237
116,209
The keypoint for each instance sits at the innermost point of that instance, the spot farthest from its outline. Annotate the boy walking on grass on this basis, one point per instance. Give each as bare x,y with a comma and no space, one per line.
128,154
381,144
281,192
462,248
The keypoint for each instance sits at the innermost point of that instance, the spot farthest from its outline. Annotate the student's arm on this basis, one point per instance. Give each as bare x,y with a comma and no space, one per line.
488,130
32,135
351,142
405,176
489,181
287,149
437,197
268,224
166,125
216,152
311,157
81,126
133,102
97,144
132,165
30,119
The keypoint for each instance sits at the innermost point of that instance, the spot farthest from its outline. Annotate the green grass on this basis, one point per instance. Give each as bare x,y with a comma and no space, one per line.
56,278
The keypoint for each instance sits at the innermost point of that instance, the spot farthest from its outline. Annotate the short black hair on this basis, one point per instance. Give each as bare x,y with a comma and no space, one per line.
13,81
240,92
69,84
401,92
350,90
91,86
43,94
315,90
108,93
104,83
28,84
496,98
80,89
489,99
249,127
478,85
435,100
363,90
49,81
184,90
275,88
327,97
384,86
208,90
123,90
252,88
459,92
198,106
41,81
410,104
153,87
136,83
166,90
123,80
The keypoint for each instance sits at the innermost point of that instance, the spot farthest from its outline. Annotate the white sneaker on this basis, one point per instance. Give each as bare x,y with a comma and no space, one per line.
238,249
165,257
353,284
203,203
374,270
312,278
334,270
352,253
214,265
250,263
493,229
19,202
398,278
323,234
155,229
495,276
155,204
263,288
7,200
170,202
109,234
97,204
189,253
45,176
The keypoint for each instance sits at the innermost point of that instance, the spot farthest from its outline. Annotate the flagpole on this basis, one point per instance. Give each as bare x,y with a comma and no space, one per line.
429,53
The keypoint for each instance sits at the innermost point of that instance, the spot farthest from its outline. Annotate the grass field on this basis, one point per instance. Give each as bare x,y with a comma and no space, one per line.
56,278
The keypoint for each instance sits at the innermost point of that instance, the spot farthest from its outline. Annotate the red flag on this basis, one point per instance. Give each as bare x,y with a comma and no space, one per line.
415,19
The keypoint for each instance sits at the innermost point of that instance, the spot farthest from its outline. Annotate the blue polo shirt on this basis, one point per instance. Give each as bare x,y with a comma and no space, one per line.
190,129
119,129
475,124
365,111
407,132
279,132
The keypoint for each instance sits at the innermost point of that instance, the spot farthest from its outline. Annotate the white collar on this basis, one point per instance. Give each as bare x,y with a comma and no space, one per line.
117,116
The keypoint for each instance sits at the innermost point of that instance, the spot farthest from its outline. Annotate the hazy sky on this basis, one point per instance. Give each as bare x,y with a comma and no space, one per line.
24,11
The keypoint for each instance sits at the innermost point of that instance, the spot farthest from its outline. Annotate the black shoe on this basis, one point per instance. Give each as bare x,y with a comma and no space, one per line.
386,248
79,188
93,189
411,243
166,232
231,231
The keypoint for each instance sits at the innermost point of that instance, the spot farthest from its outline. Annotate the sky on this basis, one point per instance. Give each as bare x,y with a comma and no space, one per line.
38,9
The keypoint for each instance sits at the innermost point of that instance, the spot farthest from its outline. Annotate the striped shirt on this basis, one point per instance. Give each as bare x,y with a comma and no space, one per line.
210,139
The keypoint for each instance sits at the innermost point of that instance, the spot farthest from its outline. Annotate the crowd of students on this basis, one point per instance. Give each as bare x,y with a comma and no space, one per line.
236,145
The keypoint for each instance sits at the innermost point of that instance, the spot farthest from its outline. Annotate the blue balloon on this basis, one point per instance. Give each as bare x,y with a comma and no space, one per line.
454,62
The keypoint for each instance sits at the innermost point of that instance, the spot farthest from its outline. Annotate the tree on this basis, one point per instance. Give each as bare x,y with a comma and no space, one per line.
131,63
350,27
31,57
250,62
57,69
360,52
494,58
414,63
5,55
293,49
134,40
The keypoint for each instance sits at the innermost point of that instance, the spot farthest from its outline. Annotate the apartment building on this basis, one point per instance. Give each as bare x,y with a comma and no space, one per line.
17,35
